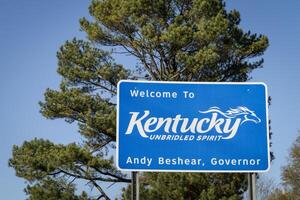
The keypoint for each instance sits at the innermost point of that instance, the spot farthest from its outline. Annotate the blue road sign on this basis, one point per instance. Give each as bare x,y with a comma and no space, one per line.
186,126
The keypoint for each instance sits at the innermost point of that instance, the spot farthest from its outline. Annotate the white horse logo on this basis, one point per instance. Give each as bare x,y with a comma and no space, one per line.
248,114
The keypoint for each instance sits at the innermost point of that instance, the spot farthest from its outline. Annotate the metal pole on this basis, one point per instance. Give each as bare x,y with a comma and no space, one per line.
135,191
249,186
252,186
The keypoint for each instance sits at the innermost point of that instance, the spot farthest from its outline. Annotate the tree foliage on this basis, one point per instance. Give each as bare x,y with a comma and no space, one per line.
54,190
186,40
290,176
179,40
291,172
189,186
265,187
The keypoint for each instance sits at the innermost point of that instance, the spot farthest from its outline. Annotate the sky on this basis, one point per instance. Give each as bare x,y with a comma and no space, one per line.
32,31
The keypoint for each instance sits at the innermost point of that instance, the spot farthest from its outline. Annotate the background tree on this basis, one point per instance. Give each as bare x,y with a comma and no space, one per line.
190,186
290,176
53,190
265,187
291,172
179,40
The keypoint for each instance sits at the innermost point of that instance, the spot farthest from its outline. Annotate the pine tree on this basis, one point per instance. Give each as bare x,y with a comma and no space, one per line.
178,40
49,189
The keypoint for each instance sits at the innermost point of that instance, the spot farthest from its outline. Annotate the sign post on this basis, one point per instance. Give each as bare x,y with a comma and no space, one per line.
135,192
252,186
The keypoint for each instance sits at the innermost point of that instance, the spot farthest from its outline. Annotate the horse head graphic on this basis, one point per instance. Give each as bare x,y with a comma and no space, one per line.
240,111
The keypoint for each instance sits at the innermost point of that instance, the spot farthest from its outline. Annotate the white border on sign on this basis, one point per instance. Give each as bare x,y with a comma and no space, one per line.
203,83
